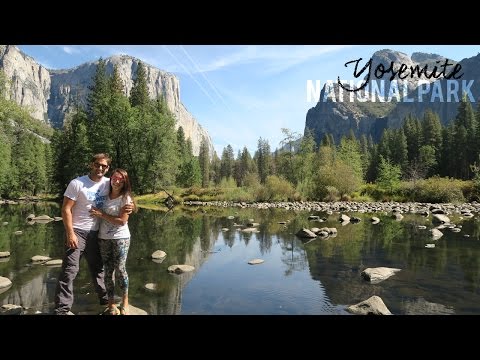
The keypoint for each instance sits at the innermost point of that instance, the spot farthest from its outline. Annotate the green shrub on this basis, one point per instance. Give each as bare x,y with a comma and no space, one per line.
279,189
440,190
332,193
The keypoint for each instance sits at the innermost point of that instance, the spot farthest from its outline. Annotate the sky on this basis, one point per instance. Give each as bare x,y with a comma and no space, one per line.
239,93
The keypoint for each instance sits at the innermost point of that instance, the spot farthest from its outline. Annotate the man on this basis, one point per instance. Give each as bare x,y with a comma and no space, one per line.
81,230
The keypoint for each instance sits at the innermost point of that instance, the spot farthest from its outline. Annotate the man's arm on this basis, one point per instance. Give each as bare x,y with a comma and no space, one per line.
67,217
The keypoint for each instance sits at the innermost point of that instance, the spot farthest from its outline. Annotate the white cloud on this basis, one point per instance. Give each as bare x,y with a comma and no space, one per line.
71,50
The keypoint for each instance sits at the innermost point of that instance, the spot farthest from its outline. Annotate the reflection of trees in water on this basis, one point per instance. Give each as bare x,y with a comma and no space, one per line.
245,236
229,237
264,241
206,236
293,255
183,236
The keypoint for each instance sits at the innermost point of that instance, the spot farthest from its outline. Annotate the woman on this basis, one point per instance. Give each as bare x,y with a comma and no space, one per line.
114,238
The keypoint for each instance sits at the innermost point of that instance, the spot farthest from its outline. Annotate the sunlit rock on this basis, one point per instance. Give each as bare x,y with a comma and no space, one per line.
436,234
159,255
372,306
151,286
178,269
40,258
422,307
11,309
305,233
5,284
256,261
440,219
251,230
375,275
55,262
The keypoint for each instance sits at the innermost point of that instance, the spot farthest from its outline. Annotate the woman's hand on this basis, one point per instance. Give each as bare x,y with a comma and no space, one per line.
128,208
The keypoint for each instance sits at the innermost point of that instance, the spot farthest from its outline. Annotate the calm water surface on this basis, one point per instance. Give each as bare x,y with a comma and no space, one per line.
297,278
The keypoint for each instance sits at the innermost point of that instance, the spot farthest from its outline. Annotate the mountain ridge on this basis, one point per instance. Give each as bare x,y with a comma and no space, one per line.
371,118
50,94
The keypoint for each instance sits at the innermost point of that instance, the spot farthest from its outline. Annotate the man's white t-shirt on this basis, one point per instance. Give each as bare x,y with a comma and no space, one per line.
87,193
113,207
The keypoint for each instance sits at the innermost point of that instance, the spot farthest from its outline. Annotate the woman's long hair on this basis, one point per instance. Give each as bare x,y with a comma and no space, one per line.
127,186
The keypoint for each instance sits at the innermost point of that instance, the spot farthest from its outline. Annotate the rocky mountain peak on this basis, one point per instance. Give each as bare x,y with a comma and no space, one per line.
420,57
337,115
51,94
385,56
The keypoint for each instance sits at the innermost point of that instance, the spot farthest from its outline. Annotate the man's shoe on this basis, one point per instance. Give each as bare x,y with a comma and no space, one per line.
103,301
116,299
63,313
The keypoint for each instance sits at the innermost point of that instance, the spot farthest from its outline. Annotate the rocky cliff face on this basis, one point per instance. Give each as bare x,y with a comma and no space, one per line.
51,94
371,117
30,81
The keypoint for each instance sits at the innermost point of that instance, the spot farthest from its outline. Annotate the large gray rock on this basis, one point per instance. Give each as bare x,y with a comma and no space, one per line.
372,306
159,255
378,274
5,284
440,219
422,307
256,261
40,258
54,262
305,233
11,309
178,269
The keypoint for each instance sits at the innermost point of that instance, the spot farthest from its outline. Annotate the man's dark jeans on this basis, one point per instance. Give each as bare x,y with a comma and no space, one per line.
88,246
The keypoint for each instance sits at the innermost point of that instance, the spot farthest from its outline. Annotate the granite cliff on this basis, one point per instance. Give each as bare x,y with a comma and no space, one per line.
51,94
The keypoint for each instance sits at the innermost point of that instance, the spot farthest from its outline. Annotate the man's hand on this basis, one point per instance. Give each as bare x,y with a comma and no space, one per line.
72,241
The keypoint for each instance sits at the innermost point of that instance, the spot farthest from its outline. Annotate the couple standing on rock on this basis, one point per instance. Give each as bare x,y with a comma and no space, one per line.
95,215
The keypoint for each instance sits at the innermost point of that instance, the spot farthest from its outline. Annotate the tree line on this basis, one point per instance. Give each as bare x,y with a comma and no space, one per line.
139,133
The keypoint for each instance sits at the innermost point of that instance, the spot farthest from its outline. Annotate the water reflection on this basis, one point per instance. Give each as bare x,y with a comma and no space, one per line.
318,277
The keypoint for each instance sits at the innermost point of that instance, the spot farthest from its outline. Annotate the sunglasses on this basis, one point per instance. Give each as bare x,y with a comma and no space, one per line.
98,166
118,178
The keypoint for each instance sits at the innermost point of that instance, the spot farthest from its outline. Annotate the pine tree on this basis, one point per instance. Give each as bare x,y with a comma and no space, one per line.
98,96
98,105
115,83
226,162
139,92
432,131
204,161
264,160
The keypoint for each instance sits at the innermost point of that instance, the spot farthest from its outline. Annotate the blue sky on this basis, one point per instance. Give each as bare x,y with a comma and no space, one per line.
240,93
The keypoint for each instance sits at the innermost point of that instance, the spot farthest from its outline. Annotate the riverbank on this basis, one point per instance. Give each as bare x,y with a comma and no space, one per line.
349,206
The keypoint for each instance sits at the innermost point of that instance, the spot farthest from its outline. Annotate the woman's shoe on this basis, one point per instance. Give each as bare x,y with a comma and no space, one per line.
124,310
112,310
